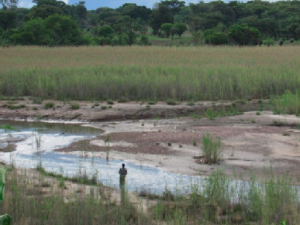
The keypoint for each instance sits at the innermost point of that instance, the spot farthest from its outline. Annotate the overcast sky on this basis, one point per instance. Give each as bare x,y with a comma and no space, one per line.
94,4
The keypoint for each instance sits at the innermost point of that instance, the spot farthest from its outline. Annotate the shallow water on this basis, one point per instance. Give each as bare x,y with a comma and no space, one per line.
39,140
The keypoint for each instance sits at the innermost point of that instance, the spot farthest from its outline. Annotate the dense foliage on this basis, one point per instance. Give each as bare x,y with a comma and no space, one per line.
52,22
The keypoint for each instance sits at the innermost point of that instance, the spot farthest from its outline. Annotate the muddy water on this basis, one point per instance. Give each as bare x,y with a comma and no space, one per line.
36,143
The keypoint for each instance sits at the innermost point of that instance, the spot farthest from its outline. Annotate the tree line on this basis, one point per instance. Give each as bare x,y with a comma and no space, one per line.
55,23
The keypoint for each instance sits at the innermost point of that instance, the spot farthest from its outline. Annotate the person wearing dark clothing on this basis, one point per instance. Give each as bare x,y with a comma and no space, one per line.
123,173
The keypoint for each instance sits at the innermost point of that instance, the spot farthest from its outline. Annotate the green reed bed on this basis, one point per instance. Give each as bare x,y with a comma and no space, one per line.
144,73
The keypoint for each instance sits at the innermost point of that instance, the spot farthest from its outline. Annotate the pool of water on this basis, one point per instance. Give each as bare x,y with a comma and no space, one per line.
37,142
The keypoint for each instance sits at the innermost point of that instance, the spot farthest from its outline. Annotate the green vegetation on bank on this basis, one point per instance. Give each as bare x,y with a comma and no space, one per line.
30,202
288,103
55,23
149,73
216,200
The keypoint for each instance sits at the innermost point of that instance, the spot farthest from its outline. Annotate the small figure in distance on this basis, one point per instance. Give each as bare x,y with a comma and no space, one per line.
123,173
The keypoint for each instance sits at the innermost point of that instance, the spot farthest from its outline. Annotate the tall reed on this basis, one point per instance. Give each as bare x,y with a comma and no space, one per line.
145,73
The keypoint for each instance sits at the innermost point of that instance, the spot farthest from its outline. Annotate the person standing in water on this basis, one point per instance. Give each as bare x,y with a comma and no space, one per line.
123,173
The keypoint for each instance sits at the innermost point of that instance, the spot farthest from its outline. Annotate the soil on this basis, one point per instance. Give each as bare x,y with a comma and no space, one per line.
252,142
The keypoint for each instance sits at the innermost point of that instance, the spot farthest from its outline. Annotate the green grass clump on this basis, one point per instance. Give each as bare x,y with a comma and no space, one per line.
287,103
103,107
123,99
151,102
110,102
74,105
171,102
211,149
16,106
190,103
37,101
49,105
211,114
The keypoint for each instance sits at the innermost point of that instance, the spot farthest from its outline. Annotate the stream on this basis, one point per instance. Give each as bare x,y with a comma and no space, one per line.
35,143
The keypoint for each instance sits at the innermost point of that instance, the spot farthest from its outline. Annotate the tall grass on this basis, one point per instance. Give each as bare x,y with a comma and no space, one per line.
216,200
28,203
146,73
221,200
211,149
288,103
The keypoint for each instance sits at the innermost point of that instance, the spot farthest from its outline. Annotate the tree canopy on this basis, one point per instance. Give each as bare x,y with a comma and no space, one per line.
215,22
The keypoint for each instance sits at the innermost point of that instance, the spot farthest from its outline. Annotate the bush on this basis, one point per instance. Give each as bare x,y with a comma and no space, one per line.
75,105
268,41
123,99
151,102
37,101
171,102
281,42
16,106
49,105
190,103
211,149
144,40
110,102
287,103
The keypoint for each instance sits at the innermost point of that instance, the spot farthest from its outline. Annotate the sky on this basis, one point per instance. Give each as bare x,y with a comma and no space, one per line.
94,4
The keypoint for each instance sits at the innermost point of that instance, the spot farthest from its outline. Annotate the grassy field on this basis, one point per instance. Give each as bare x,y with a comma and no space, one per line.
149,73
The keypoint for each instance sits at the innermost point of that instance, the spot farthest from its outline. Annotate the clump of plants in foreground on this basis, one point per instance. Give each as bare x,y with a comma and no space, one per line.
215,200
219,200
29,203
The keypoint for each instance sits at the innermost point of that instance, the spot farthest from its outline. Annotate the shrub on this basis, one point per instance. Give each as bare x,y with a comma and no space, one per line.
190,103
103,107
211,114
268,42
37,101
281,42
49,105
171,102
110,102
144,40
75,105
123,99
287,103
151,102
211,149
16,106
